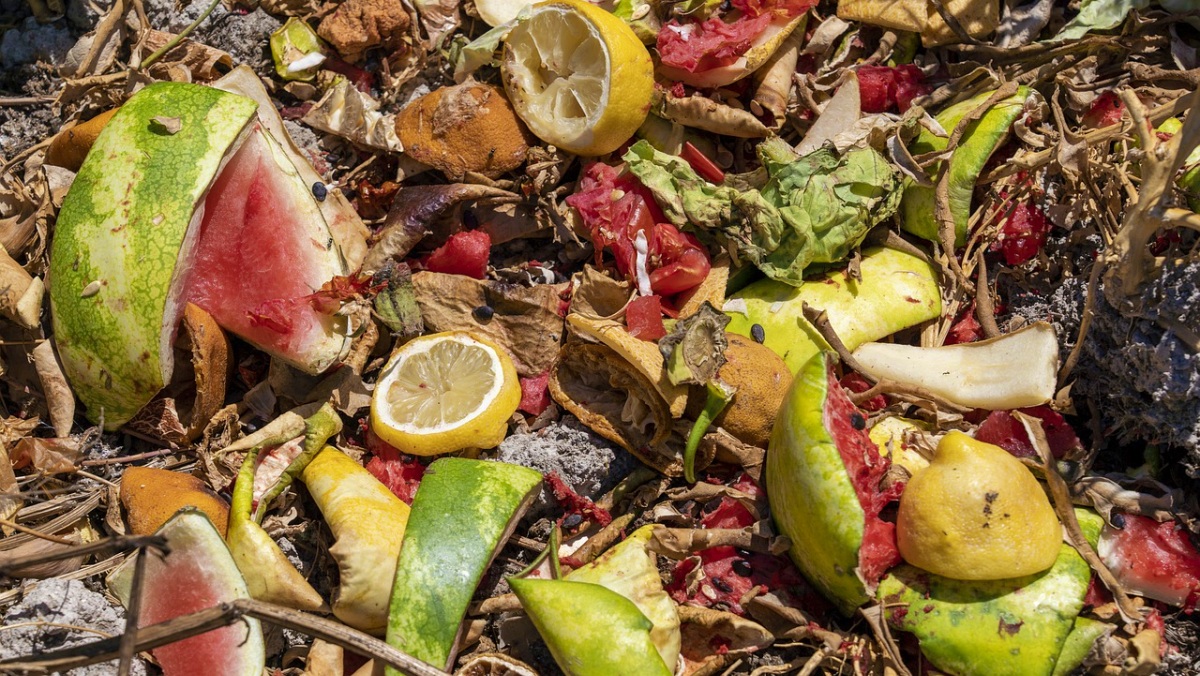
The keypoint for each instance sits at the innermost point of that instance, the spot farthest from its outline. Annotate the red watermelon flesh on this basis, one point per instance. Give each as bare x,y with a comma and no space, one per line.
198,573
263,250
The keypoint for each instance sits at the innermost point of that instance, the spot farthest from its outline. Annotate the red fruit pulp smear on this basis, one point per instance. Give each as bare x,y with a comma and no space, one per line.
866,468
250,269
1000,428
465,253
574,503
1155,559
535,393
856,383
677,262
1106,110
400,472
704,45
179,585
966,328
643,318
1023,234
883,89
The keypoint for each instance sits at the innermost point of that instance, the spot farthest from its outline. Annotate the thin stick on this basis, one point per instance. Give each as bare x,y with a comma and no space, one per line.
1066,513
985,311
37,534
132,612
1085,322
129,458
186,626
119,543
174,42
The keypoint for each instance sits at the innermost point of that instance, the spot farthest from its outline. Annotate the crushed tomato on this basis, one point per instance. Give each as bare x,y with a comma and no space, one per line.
617,208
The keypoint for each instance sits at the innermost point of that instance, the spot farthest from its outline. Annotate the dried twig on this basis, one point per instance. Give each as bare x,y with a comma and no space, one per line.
118,543
225,614
985,311
1063,506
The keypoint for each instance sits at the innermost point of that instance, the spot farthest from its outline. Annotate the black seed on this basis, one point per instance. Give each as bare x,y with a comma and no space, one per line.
758,333
711,505
470,220
483,312
742,568
1117,520
572,520
745,553
319,191
722,585
857,421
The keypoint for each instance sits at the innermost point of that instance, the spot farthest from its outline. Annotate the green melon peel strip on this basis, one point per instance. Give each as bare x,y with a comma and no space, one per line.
897,291
1012,627
463,512
980,140
812,499
630,569
590,630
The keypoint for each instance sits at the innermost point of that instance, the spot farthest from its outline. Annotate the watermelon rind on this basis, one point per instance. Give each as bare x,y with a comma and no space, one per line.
194,543
114,288
897,290
812,498
1014,627
462,513
590,629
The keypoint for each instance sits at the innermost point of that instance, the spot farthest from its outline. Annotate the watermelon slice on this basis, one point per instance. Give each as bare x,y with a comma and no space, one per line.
256,283
185,196
198,573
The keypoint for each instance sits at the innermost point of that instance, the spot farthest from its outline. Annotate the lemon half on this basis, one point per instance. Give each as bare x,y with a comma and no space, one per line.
443,393
578,76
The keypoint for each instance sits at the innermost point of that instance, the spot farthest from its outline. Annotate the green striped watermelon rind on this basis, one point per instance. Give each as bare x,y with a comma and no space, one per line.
463,512
115,287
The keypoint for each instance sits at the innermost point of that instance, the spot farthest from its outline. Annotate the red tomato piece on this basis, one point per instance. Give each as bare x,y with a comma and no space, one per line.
643,318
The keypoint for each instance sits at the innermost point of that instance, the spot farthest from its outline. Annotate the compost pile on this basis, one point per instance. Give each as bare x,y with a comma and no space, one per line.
647,337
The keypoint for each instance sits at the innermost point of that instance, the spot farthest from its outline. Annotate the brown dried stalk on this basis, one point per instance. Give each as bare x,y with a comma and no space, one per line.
225,614
1063,506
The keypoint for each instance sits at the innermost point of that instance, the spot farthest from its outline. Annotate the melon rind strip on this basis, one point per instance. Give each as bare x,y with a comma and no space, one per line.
464,510
122,225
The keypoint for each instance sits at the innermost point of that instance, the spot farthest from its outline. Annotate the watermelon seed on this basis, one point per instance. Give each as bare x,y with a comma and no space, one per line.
319,191
857,421
742,568
91,289
483,313
758,333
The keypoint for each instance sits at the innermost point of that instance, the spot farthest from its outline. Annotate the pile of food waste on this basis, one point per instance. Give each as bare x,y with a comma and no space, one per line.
662,337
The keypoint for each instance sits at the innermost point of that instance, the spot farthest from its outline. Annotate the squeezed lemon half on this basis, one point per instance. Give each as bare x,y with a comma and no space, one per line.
578,76
443,393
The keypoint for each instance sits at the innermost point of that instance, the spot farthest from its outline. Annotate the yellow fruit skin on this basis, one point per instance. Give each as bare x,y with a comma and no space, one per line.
486,430
631,84
976,513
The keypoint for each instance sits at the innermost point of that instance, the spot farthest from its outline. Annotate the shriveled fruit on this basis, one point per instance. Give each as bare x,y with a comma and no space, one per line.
70,147
445,392
185,197
578,76
152,496
976,513
469,127
762,380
